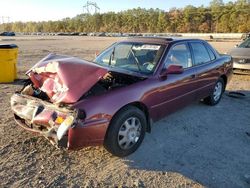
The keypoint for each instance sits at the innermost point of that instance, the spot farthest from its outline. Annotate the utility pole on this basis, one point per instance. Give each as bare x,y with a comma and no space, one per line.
3,19
91,8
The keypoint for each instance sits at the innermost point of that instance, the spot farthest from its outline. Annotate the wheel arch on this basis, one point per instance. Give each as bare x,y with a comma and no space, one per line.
141,106
144,109
109,140
224,77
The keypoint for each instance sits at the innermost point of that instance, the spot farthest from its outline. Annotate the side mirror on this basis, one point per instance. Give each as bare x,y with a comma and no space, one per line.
172,69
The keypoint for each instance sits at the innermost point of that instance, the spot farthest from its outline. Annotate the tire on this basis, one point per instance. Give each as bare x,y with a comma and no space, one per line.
126,131
215,97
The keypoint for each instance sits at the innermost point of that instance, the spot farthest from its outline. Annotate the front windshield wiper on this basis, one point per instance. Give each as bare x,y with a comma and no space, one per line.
136,60
112,55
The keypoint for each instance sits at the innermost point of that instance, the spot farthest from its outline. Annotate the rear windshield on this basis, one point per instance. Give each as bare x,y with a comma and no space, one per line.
245,44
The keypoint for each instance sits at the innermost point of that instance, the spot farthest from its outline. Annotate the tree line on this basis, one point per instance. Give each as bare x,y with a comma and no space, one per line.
217,17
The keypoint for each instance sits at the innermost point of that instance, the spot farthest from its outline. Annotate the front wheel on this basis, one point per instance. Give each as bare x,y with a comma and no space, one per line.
215,97
126,131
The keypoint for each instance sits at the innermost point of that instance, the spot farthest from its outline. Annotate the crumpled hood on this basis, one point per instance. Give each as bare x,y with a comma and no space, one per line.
64,78
240,53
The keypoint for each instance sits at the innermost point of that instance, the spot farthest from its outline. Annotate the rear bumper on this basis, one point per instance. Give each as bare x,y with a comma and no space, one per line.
245,66
39,117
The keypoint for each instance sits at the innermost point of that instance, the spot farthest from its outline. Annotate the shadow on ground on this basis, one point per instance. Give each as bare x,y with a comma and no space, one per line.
17,82
214,152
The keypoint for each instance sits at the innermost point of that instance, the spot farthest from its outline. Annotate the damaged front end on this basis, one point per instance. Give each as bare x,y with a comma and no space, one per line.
43,118
55,83
47,103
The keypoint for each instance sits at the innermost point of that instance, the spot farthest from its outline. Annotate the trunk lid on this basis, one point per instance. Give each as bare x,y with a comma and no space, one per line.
240,53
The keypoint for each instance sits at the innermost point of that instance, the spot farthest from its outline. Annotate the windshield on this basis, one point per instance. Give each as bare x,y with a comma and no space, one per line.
245,44
137,57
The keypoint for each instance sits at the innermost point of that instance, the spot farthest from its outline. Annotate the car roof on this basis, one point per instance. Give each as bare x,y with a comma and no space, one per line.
158,40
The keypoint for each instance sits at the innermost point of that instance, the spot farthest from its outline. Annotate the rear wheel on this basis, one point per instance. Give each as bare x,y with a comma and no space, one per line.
126,132
215,97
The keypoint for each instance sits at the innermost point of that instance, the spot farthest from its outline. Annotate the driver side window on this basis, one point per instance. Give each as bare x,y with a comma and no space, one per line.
179,55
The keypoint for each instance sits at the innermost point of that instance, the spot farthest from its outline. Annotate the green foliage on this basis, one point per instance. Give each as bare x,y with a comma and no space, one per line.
218,17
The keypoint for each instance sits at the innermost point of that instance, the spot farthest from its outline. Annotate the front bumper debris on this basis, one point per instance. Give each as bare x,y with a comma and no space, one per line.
43,118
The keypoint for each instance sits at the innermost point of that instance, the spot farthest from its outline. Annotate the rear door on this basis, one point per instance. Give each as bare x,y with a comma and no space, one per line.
205,68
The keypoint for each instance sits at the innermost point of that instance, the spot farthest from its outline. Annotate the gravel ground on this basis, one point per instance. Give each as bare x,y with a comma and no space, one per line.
195,147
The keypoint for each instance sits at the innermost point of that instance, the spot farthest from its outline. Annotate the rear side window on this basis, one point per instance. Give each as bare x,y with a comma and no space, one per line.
245,44
200,53
211,54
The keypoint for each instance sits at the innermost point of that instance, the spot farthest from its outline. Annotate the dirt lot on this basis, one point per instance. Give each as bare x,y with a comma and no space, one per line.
194,147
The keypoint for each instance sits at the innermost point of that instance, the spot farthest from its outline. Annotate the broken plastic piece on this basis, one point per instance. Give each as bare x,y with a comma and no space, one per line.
64,127
28,90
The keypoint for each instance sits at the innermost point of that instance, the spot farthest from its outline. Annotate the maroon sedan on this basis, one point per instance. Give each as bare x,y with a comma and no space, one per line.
115,99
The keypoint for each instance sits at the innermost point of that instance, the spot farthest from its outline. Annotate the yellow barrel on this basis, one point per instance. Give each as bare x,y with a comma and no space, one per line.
8,62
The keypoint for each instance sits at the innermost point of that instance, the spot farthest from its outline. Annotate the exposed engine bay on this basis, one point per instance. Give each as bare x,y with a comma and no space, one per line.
66,80
108,82
111,81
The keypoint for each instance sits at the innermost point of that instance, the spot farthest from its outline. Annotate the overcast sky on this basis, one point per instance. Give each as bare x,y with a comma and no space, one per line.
39,10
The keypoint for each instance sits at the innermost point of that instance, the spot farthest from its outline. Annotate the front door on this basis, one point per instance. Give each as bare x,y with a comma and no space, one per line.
177,90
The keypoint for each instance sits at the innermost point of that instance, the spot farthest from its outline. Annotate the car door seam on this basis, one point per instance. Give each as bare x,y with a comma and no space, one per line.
157,105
